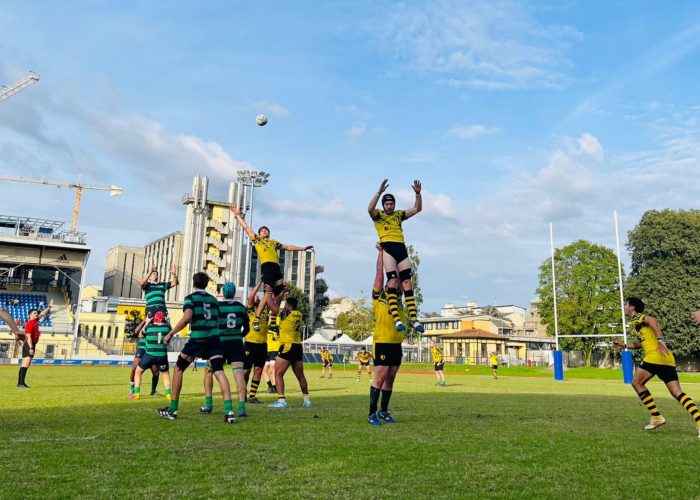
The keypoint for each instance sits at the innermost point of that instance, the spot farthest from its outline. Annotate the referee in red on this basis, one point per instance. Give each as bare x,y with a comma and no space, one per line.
31,331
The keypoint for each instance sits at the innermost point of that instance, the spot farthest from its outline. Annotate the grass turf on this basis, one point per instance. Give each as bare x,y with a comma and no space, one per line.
75,434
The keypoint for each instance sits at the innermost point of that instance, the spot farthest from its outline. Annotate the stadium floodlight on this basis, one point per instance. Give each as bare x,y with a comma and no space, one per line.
116,191
30,79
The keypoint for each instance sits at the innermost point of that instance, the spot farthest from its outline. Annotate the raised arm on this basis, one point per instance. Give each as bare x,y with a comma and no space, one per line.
184,321
273,302
7,318
145,279
142,325
254,293
372,208
47,310
237,214
294,248
418,206
173,276
379,275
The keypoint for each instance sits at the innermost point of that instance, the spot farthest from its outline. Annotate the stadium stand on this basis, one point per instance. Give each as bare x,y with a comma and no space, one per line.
19,305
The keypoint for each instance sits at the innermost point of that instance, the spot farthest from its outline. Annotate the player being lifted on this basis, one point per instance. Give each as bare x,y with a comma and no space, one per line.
155,353
396,263
268,258
233,325
201,312
154,290
658,360
386,350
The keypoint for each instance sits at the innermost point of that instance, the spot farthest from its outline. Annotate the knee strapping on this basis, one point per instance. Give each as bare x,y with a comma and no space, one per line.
392,275
217,364
405,274
182,363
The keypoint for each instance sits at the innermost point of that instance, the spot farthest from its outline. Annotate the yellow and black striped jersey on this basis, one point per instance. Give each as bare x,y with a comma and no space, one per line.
267,249
364,356
650,345
259,337
290,326
389,226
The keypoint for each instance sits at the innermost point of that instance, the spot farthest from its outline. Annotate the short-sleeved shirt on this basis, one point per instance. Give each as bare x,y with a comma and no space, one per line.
494,360
436,353
205,314
363,356
259,336
650,344
389,226
384,326
155,293
290,326
233,319
153,336
267,249
273,340
32,329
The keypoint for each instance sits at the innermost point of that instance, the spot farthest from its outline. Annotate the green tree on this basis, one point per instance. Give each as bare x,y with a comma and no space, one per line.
133,319
303,299
358,322
492,311
588,296
415,264
665,272
321,300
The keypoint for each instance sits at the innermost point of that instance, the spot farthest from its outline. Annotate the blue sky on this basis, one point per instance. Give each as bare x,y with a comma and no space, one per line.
512,114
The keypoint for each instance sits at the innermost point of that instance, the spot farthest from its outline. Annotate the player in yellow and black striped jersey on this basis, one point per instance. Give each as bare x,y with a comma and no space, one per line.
255,347
658,360
438,363
327,360
363,360
396,262
269,260
386,349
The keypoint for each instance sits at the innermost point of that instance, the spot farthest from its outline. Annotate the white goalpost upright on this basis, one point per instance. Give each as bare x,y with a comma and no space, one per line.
627,364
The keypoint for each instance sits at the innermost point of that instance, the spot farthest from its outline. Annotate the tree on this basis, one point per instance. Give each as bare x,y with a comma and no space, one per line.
321,300
302,298
415,263
665,273
588,296
133,319
358,322
492,311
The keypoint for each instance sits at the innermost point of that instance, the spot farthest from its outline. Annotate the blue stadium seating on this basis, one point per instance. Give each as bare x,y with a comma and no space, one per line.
19,305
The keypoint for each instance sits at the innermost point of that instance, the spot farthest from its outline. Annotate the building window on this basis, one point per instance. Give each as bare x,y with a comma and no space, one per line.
102,331
116,332
455,324
109,332
94,330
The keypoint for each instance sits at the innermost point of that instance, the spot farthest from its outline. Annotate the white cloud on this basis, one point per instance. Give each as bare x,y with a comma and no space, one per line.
492,45
271,109
356,132
591,147
472,132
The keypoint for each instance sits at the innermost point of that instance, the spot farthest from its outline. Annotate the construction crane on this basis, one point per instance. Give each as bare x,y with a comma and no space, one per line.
30,79
113,191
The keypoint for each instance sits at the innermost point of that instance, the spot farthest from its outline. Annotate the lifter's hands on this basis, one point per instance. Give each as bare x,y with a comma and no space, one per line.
384,185
417,186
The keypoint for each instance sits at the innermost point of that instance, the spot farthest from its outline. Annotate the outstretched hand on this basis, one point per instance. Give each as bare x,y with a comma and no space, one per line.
378,246
384,185
618,345
696,317
416,186
234,209
173,269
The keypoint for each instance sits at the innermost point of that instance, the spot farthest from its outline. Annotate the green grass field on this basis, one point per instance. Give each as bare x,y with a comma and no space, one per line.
76,434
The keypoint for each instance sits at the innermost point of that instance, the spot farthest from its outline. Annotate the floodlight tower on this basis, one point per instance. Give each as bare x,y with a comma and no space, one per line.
250,179
30,79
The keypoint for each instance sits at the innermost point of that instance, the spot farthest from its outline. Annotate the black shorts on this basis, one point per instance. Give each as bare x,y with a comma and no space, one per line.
272,356
494,367
254,355
439,366
271,273
666,373
203,348
327,363
396,250
363,364
160,361
233,351
387,354
140,352
25,351
291,352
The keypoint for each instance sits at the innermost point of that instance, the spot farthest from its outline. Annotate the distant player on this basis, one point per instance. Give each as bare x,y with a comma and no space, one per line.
156,353
140,353
255,347
438,363
201,312
31,339
327,360
386,349
233,325
363,361
291,352
154,290
396,263
658,360
494,364
269,260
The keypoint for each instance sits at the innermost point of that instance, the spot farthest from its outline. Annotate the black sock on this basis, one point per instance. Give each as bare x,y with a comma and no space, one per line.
386,396
154,382
373,399
269,384
22,375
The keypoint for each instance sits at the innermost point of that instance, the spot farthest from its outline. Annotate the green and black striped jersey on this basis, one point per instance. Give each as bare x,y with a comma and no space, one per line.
155,293
153,335
205,314
233,320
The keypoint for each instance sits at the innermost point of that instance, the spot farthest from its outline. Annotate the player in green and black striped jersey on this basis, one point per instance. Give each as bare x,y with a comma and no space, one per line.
154,290
156,353
201,312
233,325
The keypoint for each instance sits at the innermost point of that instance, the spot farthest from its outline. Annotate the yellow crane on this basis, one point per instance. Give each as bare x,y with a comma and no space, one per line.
25,82
113,191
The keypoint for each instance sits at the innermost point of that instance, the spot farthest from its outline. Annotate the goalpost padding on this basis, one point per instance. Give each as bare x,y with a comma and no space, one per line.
558,365
627,367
